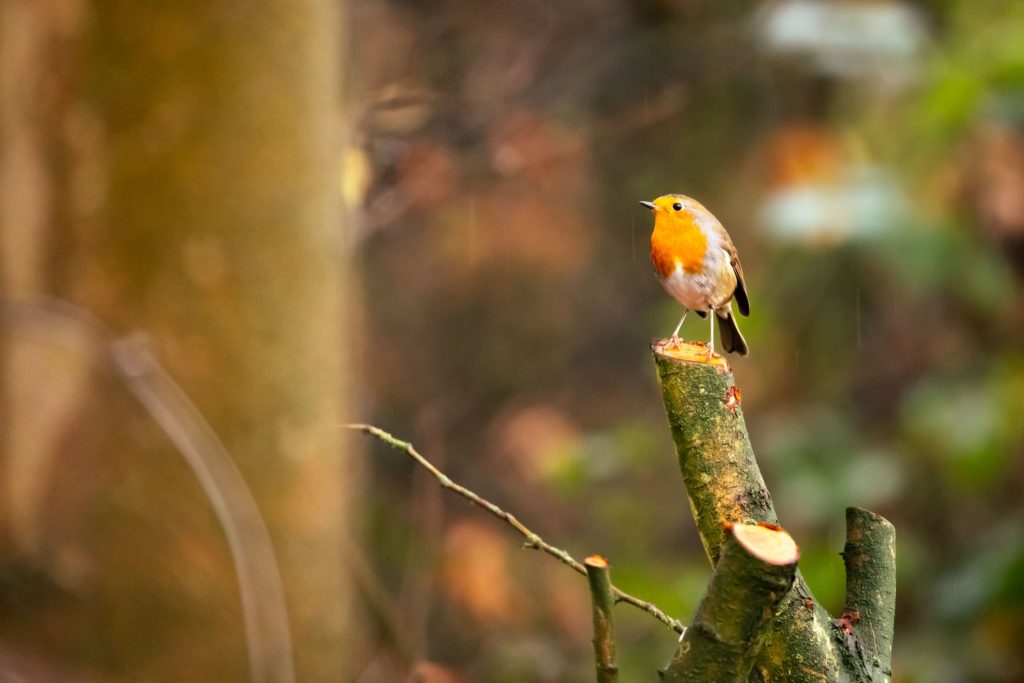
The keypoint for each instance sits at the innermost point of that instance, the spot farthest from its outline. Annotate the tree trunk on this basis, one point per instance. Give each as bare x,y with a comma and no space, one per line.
171,167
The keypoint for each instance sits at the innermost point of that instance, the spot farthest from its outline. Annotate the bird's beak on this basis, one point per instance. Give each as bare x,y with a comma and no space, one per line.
650,205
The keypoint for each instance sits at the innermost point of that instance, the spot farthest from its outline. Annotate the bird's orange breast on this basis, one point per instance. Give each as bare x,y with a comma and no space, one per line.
677,239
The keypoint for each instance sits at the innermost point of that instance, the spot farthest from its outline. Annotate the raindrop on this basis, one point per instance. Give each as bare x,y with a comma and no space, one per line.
858,319
471,232
632,235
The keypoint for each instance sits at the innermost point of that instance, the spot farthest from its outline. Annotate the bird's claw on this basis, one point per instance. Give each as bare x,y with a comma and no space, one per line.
669,342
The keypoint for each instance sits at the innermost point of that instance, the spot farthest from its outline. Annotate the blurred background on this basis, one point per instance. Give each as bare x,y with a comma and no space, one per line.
423,214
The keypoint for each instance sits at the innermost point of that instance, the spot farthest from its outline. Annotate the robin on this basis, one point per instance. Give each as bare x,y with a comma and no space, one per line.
696,262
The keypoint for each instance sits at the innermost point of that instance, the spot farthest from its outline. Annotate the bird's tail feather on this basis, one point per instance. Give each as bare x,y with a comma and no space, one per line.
732,340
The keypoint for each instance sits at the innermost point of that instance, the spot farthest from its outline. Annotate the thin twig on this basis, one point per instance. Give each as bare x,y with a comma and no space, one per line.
532,539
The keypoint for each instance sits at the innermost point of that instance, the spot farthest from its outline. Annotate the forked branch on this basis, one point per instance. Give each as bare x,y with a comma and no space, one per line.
803,643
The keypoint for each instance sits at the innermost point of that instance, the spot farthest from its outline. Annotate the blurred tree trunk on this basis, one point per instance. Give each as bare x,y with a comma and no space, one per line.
171,167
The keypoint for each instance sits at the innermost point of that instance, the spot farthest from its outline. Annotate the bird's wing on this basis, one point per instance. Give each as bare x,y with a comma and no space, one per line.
741,286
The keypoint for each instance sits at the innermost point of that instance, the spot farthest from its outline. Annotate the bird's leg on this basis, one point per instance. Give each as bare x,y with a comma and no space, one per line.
711,344
675,334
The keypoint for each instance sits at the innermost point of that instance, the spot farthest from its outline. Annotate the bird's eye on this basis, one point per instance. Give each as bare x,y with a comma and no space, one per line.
677,206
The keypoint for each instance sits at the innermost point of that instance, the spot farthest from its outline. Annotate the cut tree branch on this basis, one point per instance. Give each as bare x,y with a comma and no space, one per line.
756,570
803,644
533,540
602,597
870,610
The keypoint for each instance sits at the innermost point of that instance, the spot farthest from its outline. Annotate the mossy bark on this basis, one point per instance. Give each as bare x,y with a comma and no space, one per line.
803,643
870,609
728,629
715,456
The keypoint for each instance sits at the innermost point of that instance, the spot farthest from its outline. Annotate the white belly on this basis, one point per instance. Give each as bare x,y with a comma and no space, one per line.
709,289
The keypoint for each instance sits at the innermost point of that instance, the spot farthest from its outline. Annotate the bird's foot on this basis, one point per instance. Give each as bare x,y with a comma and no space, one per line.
669,343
